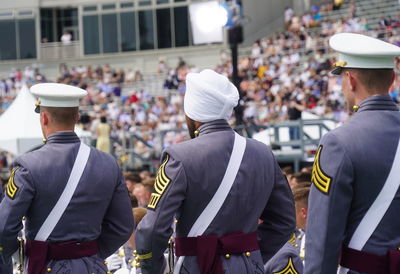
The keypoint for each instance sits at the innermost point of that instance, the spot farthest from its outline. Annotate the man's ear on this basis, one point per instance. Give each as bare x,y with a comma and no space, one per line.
352,80
304,213
44,117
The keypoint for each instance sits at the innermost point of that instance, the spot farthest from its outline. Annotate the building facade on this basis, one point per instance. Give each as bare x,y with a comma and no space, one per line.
62,29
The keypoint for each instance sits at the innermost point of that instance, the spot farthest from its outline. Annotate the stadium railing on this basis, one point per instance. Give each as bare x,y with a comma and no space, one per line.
276,135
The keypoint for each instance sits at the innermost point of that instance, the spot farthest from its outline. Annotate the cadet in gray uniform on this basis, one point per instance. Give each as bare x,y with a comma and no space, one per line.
98,218
290,258
188,178
350,211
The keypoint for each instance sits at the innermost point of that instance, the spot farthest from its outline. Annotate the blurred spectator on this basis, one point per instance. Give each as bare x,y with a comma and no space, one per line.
66,38
142,192
103,135
300,179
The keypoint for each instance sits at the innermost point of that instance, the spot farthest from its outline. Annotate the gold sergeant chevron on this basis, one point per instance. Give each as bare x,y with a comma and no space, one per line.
320,179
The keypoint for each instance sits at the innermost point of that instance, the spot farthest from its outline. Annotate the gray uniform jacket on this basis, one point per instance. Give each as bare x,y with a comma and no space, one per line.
350,169
288,259
188,178
99,209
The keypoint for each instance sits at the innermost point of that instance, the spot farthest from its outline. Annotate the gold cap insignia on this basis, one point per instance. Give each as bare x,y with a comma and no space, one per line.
340,64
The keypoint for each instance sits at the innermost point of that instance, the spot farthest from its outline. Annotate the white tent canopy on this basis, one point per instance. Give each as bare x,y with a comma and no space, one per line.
20,126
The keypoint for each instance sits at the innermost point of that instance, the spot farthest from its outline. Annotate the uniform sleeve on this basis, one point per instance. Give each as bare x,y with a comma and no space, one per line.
284,263
329,204
154,230
18,196
278,217
118,222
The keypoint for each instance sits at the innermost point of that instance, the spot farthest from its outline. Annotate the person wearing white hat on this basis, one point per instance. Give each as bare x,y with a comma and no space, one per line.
218,185
73,196
354,201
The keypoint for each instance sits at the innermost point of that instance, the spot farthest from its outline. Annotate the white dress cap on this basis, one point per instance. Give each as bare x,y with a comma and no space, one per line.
361,51
209,96
57,95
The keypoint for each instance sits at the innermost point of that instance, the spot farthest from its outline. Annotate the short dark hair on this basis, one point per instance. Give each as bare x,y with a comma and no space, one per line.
300,195
375,79
288,170
302,177
63,116
133,176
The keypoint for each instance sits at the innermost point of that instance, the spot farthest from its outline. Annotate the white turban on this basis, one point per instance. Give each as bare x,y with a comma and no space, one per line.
209,96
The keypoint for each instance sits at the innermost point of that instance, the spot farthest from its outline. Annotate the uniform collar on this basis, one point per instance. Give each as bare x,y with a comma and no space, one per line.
63,137
213,126
377,102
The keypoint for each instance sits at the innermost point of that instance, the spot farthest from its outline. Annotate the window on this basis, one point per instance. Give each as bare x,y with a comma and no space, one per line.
126,5
91,34
6,14
162,1
25,13
109,7
181,24
90,8
146,29
144,3
110,33
128,31
8,46
27,39
164,28
46,25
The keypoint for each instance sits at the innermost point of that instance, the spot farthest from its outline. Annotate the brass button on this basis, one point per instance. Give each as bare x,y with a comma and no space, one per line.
49,269
248,254
1,249
296,245
227,256
108,272
105,262
355,108
135,252
137,265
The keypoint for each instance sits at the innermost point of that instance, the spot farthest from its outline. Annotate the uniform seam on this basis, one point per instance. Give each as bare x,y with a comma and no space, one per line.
165,194
339,170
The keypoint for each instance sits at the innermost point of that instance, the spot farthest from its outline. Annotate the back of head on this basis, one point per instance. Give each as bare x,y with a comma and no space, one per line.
375,80
133,177
62,117
300,195
209,96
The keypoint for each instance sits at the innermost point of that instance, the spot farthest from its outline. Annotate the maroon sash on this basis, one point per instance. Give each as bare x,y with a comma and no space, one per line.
40,253
369,263
208,249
